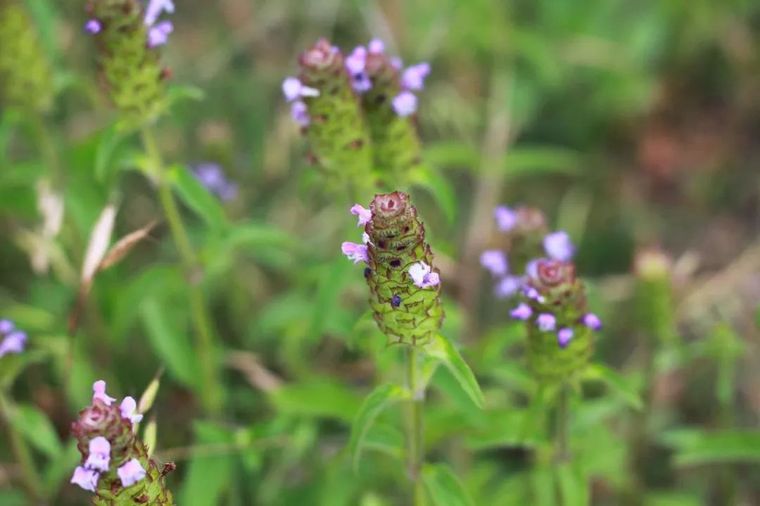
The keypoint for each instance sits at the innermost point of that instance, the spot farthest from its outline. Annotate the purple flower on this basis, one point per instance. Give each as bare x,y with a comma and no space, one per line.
85,478
158,34
531,268
405,103
212,177
293,89
533,294
356,61
364,214
495,261
521,312
356,252
13,342
100,454
93,26
508,286
546,322
413,78
376,46
130,472
396,62
6,326
155,8
591,321
506,218
558,246
300,113
99,392
423,276
361,82
564,336
128,407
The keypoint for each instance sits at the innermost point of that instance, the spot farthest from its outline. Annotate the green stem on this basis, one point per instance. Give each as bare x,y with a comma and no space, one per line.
563,424
415,436
209,384
31,479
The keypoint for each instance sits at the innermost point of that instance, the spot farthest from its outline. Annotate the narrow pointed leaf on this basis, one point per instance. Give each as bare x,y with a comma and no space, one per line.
443,350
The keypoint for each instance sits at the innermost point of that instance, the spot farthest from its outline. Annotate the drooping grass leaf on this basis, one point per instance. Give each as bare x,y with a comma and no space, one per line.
443,350
444,487
694,447
195,196
615,382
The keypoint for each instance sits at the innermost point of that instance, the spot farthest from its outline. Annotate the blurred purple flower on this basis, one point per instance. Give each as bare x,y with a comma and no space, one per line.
100,454
508,286
13,341
93,26
300,113
413,78
361,82
495,261
85,478
128,407
355,252
521,312
155,8
506,218
376,46
130,472
363,213
357,60
546,322
564,336
558,246
293,89
158,34
212,177
405,103
591,321
423,275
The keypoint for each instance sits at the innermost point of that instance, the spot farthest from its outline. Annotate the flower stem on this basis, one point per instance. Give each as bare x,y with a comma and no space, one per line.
415,435
209,384
31,479
563,424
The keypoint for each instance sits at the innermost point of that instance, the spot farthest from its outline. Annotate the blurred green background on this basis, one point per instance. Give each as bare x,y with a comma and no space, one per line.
631,124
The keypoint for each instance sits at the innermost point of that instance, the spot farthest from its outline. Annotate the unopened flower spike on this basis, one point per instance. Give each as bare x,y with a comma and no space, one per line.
404,285
128,34
25,72
324,103
115,465
560,327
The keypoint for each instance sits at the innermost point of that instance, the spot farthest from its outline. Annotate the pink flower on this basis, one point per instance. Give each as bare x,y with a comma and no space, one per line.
99,392
521,312
423,276
495,261
591,321
100,454
413,78
293,89
508,286
158,34
85,478
155,8
130,472
128,407
376,46
546,322
506,218
558,246
356,252
405,103
356,61
364,214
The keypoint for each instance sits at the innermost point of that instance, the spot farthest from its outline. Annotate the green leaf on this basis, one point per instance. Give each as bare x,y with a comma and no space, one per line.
443,486
106,152
615,382
170,343
60,468
36,428
442,349
532,160
375,403
13,365
452,154
316,397
197,197
573,486
208,475
694,447
440,188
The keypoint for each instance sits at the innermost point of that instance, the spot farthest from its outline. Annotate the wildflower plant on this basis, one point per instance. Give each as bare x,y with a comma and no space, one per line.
115,464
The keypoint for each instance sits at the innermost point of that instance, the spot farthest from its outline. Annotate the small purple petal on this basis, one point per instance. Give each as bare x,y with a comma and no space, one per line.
100,454
128,407
93,26
158,34
364,214
533,294
521,312
558,246
376,46
508,286
564,336
591,321
397,63
495,261
300,113
423,276
506,218
361,82
357,60
155,8
531,268
6,326
405,103
99,392
291,88
546,322
85,478
131,472
413,78
13,343
356,252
